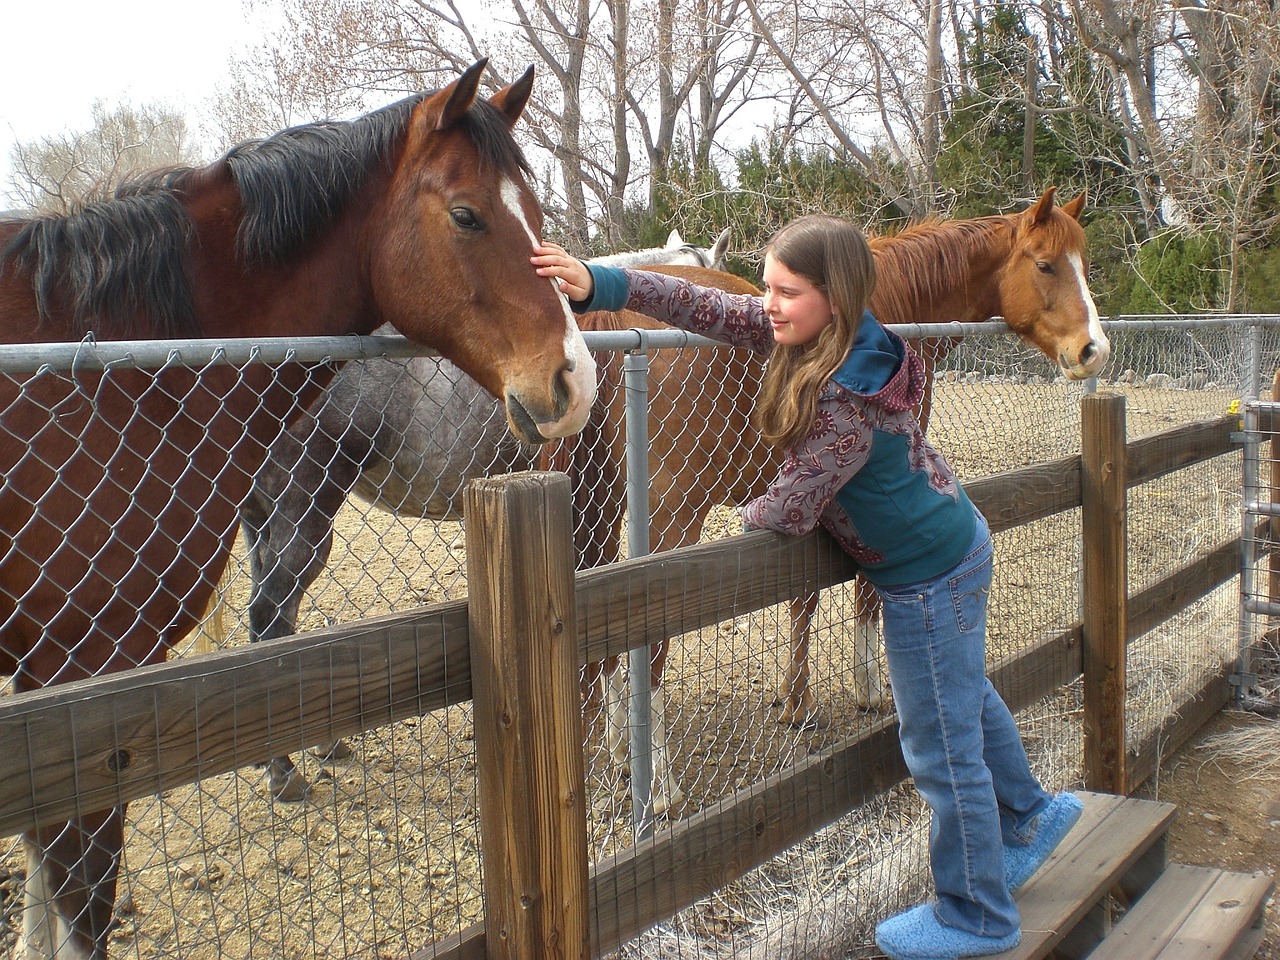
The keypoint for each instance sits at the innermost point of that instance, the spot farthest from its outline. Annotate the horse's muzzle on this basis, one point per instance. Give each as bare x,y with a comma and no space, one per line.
1092,358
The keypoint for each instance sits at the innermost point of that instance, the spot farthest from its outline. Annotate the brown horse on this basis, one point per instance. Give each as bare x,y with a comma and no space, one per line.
1028,268
121,488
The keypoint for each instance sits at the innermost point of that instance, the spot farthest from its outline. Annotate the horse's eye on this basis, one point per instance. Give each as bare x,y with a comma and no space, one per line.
465,218
1044,266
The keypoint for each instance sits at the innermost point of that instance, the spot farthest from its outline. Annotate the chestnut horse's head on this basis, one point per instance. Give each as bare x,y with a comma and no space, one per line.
1044,288
450,266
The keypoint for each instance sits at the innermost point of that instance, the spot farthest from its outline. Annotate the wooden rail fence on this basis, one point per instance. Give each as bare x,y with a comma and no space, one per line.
517,648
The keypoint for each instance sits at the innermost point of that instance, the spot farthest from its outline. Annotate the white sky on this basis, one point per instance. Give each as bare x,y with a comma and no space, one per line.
61,55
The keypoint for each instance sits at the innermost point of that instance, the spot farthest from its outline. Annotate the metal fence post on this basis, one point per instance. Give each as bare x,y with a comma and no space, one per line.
635,367
1105,565
528,716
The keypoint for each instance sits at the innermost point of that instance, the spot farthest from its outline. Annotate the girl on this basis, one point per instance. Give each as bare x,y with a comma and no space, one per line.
837,399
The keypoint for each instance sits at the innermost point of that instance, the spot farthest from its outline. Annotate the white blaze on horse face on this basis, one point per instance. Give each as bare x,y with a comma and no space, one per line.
580,379
1101,344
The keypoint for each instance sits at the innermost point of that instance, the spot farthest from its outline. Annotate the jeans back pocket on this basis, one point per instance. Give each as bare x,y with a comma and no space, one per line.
969,592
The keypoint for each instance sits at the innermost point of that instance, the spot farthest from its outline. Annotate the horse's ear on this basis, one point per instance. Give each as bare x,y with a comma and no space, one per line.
456,99
1042,208
512,98
674,239
1073,208
721,246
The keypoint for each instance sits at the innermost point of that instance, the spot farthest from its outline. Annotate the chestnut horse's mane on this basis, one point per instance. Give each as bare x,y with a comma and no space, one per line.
915,264
124,253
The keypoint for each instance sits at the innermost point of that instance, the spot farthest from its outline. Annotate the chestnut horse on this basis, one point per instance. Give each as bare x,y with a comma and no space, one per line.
122,488
1029,268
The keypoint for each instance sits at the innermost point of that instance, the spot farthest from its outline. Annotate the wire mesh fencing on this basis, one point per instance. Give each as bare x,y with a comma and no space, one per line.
355,516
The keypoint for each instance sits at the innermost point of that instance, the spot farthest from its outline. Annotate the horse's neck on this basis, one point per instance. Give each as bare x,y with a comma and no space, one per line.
322,290
949,275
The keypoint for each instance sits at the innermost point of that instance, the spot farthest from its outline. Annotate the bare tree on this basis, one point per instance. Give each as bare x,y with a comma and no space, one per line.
613,103
1169,101
1194,87
672,82
55,173
327,59
872,75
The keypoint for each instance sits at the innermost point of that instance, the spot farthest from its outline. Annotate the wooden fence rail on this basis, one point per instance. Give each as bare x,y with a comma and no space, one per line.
82,746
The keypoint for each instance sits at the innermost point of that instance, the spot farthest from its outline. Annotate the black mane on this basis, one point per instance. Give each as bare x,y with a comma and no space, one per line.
296,182
124,255
109,260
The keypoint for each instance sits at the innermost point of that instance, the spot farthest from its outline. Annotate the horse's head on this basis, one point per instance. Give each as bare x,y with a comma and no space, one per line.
451,267
1044,288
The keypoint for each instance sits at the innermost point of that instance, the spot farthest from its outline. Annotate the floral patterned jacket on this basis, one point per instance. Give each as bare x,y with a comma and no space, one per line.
865,471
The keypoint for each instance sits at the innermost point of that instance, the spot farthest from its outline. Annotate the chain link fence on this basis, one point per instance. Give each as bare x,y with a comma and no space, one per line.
381,857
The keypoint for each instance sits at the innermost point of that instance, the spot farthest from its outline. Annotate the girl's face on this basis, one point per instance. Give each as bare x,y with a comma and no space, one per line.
797,309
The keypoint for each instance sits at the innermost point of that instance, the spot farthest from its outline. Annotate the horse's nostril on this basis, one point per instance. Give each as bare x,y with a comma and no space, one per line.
560,390
1089,352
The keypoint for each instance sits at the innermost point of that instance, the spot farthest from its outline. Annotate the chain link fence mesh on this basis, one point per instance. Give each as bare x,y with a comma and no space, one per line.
382,856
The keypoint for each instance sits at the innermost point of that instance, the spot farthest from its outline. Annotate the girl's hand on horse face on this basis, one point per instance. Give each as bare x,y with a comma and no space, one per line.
571,274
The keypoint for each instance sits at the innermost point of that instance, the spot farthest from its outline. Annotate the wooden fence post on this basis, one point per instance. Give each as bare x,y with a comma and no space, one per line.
1105,584
528,716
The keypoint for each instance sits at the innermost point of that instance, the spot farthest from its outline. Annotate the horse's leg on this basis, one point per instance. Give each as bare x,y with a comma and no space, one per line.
799,708
667,794
268,617
70,890
38,918
616,721
868,691
288,527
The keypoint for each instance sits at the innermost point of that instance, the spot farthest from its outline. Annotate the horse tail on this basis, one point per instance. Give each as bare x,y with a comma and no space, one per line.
211,631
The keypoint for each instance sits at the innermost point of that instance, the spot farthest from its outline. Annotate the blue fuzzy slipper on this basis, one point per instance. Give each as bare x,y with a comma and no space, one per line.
1053,824
918,934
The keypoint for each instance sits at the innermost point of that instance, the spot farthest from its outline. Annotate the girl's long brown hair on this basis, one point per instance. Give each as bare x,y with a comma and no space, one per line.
833,255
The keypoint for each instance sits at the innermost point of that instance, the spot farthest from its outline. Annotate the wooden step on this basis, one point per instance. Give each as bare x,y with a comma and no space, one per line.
1192,912
1118,844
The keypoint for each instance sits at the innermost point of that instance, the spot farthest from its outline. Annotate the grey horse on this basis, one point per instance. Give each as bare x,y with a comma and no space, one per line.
404,435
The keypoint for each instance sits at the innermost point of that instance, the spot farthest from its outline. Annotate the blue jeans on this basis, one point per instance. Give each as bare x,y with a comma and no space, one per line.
959,740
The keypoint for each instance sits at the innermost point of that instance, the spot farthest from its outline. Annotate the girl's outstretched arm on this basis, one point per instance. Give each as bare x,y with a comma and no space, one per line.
570,273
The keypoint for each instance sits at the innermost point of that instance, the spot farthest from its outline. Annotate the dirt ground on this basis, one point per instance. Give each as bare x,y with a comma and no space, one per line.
1226,784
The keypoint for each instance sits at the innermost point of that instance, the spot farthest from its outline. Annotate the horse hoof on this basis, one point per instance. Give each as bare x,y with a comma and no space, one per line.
811,719
291,788
338,750
874,703
664,805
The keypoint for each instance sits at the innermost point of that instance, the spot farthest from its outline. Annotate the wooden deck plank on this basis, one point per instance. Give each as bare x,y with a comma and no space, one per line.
1112,835
1142,934
1228,910
1190,912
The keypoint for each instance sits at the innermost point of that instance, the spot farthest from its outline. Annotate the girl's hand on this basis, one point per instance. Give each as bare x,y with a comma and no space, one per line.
571,274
